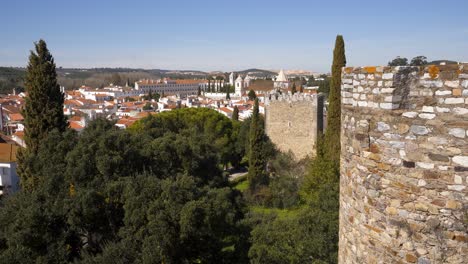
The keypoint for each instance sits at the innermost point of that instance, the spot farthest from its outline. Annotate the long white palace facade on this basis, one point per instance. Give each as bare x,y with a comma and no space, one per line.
169,87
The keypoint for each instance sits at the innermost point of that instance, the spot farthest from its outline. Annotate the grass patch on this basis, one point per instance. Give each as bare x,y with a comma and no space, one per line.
241,183
281,213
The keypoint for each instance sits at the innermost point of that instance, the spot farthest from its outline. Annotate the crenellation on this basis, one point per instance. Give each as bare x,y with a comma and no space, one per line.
404,169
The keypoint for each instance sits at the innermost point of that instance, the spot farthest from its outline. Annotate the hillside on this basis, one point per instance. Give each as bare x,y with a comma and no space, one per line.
73,78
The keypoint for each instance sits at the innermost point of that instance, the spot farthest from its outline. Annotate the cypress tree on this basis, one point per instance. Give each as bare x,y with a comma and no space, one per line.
332,134
43,110
235,113
257,160
199,91
293,89
301,90
228,96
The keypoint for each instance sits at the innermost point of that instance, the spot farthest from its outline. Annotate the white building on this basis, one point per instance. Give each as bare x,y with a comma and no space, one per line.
169,87
9,181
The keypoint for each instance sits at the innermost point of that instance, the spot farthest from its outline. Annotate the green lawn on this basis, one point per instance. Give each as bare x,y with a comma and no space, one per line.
240,183
282,213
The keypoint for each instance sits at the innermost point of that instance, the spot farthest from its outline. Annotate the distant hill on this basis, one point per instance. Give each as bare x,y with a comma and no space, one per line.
11,78
73,78
438,62
258,73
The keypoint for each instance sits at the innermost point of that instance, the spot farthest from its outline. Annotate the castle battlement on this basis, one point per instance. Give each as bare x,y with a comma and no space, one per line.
297,97
404,165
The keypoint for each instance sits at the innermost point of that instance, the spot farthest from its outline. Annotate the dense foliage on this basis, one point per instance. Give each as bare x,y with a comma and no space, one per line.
157,190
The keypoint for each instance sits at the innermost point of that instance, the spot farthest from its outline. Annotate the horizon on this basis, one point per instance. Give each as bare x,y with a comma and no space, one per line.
210,36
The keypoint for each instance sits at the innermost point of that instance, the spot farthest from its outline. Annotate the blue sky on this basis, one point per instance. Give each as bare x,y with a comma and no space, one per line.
231,35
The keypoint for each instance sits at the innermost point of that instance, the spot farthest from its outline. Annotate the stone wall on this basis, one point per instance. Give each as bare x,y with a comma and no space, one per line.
292,122
404,165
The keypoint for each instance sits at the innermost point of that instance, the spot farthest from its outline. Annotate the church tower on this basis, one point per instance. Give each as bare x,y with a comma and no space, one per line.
231,79
247,81
239,85
281,81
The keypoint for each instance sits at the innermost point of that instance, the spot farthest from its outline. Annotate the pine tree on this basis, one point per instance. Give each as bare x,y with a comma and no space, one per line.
332,134
257,161
43,110
293,89
235,113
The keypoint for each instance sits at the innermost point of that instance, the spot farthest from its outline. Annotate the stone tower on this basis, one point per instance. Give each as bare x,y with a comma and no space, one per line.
293,122
404,165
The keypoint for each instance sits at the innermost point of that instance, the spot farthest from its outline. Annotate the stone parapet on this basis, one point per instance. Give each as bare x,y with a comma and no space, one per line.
404,165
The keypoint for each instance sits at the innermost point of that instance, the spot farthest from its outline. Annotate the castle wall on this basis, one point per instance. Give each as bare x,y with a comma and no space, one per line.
404,165
291,122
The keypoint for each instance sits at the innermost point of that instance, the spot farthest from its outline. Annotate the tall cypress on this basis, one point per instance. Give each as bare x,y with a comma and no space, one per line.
332,134
228,96
235,113
293,89
43,110
257,159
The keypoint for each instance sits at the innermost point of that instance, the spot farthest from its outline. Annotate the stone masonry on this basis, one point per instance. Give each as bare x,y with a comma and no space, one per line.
293,122
404,165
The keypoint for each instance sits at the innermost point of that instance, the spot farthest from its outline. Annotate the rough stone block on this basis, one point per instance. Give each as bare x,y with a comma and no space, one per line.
410,114
452,84
461,160
387,76
387,90
442,109
425,165
428,109
457,92
419,130
388,106
443,92
457,132
454,101
427,116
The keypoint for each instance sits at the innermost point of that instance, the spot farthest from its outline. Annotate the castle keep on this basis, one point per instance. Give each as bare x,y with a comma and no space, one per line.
404,165
293,122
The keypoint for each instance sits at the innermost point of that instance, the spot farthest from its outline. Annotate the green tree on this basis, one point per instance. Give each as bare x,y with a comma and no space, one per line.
43,110
199,91
324,86
147,106
228,96
235,113
293,88
252,96
332,134
398,61
311,81
257,158
419,61
116,79
301,90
